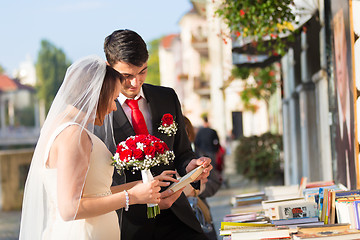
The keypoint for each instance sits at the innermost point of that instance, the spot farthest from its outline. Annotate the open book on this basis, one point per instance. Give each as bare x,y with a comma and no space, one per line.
187,179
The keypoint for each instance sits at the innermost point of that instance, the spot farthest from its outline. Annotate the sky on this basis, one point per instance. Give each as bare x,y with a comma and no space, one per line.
79,27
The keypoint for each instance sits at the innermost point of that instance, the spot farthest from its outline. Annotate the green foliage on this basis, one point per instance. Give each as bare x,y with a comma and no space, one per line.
258,157
258,19
242,72
262,88
153,75
50,69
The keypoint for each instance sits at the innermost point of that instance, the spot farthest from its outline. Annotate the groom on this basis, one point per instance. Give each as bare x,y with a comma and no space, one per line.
126,52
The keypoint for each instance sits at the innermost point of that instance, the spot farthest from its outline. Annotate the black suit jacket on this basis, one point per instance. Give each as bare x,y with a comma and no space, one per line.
161,100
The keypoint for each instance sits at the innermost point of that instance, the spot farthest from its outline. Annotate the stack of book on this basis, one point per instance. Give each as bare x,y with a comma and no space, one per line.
317,210
327,232
247,199
241,217
247,203
256,208
235,231
295,223
347,207
261,234
312,190
282,192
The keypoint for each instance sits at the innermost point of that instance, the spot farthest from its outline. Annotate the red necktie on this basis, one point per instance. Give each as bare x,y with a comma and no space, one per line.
137,117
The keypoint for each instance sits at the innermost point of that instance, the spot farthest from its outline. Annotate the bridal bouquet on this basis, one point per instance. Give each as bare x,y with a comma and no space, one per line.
141,152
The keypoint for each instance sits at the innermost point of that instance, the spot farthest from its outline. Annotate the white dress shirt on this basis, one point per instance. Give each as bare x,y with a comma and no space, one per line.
143,106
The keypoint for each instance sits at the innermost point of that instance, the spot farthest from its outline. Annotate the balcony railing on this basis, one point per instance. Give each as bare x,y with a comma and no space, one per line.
12,136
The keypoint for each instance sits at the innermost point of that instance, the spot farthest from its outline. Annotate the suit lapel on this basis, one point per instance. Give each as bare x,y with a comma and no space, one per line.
122,123
156,105
154,108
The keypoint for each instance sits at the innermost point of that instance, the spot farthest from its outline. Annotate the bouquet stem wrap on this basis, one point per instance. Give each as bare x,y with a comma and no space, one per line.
152,209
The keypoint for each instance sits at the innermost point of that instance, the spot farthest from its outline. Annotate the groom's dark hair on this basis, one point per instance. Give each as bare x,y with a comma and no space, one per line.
125,46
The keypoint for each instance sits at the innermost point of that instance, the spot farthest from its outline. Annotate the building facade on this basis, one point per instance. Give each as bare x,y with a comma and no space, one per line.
197,63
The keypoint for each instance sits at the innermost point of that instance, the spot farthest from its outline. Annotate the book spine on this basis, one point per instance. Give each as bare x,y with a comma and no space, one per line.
356,208
332,210
320,202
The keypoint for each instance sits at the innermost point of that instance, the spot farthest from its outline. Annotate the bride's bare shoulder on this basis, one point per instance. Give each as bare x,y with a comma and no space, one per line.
72,137
73,141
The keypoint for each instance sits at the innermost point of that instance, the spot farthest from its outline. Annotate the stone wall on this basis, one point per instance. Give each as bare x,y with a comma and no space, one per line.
14,166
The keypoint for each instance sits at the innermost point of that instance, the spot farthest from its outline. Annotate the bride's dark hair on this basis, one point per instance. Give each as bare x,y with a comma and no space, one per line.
107,90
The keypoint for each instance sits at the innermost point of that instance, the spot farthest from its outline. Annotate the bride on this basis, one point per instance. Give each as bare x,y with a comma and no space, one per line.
68,193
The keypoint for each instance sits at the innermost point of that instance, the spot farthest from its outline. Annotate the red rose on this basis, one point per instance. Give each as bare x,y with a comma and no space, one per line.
131,143
153,138
167,119
138,154
150,151
146,142
125,155
119,149
140,138
159,147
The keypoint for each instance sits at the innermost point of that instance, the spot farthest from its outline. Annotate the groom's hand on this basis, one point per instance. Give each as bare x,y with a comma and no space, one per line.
205,162
168,197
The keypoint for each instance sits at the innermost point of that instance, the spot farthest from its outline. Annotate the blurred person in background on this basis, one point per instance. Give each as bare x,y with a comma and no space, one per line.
207,142
208,188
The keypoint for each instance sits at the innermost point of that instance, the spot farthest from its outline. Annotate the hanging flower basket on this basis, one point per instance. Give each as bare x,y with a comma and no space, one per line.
261,23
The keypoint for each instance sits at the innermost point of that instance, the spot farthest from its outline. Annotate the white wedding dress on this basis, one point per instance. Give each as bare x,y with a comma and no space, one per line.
97,184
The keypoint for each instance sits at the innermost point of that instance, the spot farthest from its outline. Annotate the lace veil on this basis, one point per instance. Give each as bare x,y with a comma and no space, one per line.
76,101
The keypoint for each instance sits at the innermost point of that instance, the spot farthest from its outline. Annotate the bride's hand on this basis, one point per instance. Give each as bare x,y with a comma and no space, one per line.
166,175
145,193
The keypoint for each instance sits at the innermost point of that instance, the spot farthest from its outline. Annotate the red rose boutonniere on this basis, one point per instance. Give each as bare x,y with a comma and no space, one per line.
168,125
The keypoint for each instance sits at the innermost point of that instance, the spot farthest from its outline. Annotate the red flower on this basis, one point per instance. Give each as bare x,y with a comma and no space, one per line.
167,119
275,53
131,143
242,13
140,138
125,155
138,154
165,146
159,147
153,138
147,142
271,73
119,149
150,150
238,33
